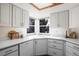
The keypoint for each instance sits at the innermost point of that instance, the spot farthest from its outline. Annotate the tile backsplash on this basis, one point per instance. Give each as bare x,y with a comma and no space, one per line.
4,31
60,32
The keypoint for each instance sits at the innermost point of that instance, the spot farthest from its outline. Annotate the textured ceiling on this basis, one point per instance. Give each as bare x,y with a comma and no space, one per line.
42,6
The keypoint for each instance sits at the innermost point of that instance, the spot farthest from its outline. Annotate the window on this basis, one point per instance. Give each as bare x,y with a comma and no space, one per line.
44,25
31,28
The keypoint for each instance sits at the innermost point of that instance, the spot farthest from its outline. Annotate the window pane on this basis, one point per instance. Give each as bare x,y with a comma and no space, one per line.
43,22
31,21
31,29
44,29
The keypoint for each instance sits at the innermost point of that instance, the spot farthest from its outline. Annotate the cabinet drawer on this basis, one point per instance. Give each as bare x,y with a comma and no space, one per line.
55,52
55,41
74,46
57,46
8,50
71,52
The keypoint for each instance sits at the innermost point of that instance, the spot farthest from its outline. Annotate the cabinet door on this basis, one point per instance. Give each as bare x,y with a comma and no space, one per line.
11,51
5,14
17,16
74,17
54,20
25,21
41,47
72,49
26,49
55,52
63,19
60,19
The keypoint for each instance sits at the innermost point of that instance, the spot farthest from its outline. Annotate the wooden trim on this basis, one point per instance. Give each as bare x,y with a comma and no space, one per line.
35,6
53,5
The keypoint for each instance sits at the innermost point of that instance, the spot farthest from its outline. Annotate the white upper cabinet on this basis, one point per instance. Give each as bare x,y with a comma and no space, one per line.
74,17
25,21
63,19
20,17
5,14
17,16
11,15
60,19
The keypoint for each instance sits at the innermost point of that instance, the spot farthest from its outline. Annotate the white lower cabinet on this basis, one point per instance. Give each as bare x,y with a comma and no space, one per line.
55,47
72,49
55,52
40,46
11,51
26,48
13,54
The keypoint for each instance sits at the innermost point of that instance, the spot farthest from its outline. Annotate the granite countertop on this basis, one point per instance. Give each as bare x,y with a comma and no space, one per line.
7,43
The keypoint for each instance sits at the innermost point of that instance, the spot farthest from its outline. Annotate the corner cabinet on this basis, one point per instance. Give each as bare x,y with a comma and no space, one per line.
26,48
40,47
60,19
5,14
